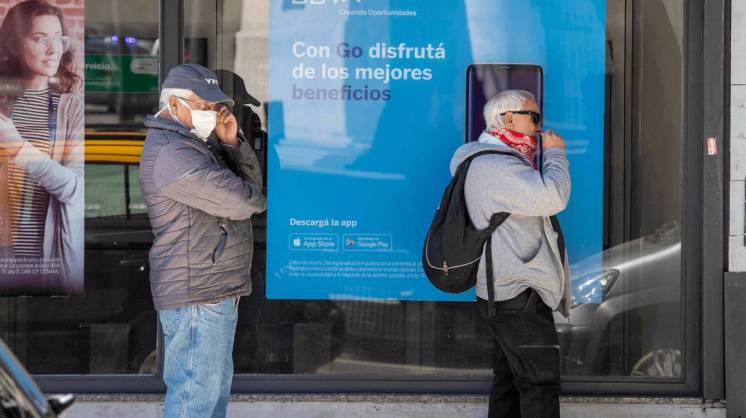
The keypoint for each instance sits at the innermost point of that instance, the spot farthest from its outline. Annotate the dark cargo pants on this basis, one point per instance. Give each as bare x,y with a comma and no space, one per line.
526,358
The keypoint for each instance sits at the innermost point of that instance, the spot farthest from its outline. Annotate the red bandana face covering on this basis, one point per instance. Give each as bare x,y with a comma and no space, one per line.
524,144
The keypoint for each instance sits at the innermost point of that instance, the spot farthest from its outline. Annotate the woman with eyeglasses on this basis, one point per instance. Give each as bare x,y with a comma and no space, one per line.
41,153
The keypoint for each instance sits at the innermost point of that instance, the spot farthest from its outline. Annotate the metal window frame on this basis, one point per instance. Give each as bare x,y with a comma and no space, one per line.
703,238
714,101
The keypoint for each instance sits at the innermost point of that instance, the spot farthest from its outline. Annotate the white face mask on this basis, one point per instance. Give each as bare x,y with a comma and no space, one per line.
204,121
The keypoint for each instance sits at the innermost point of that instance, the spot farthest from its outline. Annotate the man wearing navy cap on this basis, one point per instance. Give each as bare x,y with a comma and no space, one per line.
200,206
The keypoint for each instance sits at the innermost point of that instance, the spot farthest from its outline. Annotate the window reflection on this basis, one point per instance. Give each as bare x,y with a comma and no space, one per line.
626,318
112,327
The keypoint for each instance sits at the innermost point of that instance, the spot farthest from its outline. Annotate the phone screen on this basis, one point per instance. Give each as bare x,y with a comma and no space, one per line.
484,81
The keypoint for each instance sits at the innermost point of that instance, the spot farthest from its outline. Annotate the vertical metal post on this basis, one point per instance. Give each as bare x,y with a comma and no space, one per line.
171,35
713,208
171,49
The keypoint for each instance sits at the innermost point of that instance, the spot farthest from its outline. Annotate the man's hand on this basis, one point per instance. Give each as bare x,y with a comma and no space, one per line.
10,140
550,139
226,128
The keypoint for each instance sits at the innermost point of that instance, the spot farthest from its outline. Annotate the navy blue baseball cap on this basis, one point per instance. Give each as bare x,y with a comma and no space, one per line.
200,80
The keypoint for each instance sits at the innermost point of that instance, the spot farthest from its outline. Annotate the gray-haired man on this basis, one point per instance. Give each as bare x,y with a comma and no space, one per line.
530,278
200,211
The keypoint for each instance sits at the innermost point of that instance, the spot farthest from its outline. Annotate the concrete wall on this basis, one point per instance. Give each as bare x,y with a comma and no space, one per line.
735,279
737,246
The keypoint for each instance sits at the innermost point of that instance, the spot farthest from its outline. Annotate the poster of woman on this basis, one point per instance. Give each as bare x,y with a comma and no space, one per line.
41,149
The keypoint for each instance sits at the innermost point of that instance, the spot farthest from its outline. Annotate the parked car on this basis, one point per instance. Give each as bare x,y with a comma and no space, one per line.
19,394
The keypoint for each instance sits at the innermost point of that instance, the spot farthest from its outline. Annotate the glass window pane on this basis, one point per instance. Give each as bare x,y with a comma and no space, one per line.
626,314
640,318
112,327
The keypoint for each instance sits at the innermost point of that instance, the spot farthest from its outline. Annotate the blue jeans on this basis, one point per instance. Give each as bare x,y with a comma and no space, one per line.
198,368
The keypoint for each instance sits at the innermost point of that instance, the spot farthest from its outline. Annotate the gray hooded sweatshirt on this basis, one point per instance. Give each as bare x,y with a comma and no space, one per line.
525,253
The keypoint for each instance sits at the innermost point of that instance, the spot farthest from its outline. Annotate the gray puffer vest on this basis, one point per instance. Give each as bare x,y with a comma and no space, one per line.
200,213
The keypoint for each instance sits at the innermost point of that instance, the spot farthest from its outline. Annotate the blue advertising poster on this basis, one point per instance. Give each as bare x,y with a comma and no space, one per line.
367,105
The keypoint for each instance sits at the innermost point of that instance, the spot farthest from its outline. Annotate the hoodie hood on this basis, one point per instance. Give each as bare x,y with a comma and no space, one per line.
470,148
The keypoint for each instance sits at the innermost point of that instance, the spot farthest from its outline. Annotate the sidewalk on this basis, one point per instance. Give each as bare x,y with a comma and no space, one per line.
409,406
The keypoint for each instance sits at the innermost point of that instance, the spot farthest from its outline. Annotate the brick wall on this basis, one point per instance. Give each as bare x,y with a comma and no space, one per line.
74,11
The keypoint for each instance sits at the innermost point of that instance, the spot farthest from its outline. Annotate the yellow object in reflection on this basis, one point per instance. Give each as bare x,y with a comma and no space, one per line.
113,147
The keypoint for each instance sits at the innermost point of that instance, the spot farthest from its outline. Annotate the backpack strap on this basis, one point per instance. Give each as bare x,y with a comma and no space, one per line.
560,237
495,221
469,159
490,280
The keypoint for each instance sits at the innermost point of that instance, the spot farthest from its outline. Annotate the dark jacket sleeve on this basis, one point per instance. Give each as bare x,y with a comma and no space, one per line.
244,157
184,174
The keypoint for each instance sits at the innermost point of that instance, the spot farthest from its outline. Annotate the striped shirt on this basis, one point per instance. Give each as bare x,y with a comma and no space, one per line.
29,200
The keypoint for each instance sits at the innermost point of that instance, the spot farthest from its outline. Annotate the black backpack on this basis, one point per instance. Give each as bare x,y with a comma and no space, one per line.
453,246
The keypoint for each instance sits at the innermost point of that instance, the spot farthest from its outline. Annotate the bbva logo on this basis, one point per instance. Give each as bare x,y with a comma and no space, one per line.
315,2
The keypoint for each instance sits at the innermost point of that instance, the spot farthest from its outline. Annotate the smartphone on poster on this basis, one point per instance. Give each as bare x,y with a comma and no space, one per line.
484,81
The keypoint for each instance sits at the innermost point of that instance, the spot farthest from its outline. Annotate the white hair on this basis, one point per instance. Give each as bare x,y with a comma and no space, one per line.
505,101
167,93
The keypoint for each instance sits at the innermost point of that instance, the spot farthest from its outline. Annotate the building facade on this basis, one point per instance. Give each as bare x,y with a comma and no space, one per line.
649,93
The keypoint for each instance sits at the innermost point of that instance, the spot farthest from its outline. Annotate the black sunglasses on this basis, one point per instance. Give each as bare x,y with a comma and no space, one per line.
535,117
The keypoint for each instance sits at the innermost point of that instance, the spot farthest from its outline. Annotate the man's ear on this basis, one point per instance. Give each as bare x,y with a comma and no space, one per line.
173,104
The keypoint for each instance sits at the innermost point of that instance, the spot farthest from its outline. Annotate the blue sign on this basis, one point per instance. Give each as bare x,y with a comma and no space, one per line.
366,109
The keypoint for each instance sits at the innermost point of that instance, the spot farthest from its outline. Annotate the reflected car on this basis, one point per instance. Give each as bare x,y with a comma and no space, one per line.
626,312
